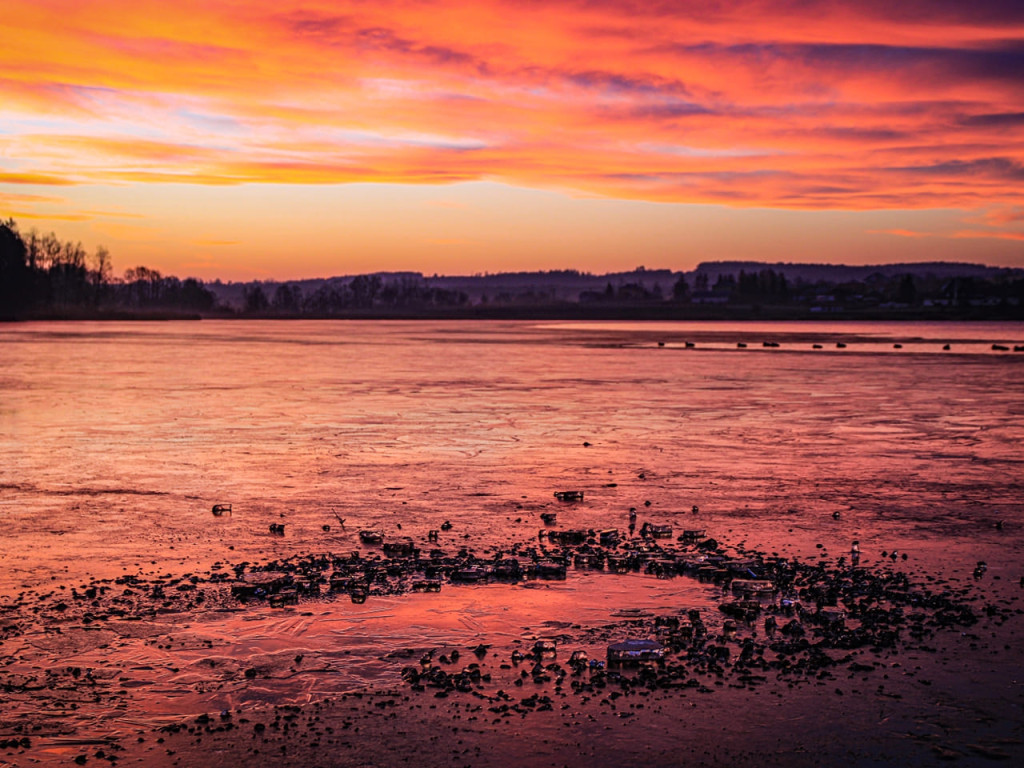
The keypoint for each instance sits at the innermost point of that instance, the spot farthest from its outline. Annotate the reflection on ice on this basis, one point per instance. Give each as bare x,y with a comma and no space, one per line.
227,659
116,440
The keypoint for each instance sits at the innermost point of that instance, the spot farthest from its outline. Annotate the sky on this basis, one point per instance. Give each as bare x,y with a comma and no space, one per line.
286,139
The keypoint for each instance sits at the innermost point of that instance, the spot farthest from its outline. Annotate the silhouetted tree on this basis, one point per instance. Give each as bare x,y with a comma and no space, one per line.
15,276
68,275
195,296
328,299
725,284
255,299
634,292
907,293
287,299
99,276
364,290
783,288
143,287
681,289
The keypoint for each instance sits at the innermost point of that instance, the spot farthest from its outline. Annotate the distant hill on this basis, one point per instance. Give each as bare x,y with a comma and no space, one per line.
568,285
562,285
232,294
555,285
841,273
44,278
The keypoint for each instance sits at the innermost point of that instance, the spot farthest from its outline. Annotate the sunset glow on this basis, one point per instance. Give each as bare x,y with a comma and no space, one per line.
254,139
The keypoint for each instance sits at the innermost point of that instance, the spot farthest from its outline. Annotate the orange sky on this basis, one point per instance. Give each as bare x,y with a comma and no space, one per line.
249,138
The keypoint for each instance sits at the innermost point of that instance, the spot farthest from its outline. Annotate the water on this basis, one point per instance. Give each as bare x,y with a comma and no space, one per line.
119,437
116,439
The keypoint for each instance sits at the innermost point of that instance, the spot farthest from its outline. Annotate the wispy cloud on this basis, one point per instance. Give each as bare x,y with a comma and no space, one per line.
858,105
962,234
15,198
977,233
49,216
34,178
1002,216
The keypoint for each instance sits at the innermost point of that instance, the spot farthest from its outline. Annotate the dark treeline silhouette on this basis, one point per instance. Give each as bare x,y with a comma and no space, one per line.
342,297
896,294
44,277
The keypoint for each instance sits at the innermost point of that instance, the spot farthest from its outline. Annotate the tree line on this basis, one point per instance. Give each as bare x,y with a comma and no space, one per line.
44,276
41,275
906,291
360,294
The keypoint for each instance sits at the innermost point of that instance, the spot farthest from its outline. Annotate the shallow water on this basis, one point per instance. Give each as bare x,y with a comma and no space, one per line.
116,439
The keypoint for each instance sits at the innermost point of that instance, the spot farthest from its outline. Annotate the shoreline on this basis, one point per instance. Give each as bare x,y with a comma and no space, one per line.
557,313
